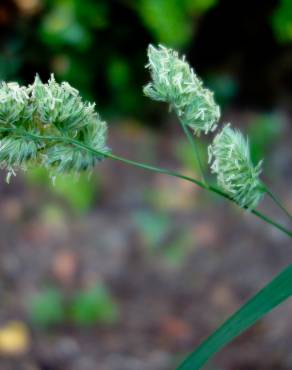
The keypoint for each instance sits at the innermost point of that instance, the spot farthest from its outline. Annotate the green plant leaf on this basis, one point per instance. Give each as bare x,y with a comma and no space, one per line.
47,308
95,305
282,21
167,20
274,293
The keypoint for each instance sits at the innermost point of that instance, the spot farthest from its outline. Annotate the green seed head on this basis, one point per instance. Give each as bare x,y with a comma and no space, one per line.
39,123
230,160
13,103
175,82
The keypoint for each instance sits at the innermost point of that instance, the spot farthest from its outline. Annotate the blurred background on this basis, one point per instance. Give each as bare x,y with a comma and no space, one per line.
127,270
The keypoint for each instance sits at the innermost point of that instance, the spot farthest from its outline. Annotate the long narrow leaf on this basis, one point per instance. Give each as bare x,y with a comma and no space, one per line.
277,291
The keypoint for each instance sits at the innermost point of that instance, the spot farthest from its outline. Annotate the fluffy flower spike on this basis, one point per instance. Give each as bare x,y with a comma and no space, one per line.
37,123
13,102
229,156
175,82
60,104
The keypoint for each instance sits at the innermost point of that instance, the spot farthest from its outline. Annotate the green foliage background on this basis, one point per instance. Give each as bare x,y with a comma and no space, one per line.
99,46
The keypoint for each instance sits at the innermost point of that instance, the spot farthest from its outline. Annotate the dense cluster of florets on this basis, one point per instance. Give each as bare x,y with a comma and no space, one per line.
230,160
13,103
37,121
175,82
50,124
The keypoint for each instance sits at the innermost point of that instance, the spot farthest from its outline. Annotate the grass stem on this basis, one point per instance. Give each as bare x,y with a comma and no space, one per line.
145,166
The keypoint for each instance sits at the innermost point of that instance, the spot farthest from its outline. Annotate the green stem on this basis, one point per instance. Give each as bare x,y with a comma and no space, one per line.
278,202
210,188
195,149
272,222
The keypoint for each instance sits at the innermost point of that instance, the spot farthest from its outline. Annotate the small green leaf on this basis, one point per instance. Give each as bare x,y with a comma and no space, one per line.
273,294
46,308
93,306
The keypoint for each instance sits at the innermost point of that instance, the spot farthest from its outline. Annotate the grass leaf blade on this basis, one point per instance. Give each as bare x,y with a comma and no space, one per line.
273,294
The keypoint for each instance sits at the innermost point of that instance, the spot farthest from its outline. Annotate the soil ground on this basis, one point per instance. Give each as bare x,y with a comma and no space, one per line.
167,302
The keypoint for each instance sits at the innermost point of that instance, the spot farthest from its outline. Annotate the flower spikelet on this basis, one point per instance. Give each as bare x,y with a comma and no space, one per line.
13,102
49,124
230,160
175,82
70,158
60,104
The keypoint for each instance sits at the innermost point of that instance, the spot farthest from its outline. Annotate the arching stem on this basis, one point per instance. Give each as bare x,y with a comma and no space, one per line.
210,188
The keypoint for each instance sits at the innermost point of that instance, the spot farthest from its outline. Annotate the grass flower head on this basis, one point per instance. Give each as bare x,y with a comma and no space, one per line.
175,82
47,123
230,160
